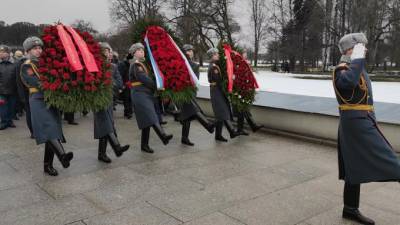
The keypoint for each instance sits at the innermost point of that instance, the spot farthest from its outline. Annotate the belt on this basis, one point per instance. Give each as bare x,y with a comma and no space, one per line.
213,84
33,90
356,107
135,84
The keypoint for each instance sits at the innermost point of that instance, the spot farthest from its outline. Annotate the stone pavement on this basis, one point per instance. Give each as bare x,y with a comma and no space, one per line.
257,180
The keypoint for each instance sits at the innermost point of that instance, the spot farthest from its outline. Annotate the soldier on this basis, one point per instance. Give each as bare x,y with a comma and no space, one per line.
104,128
219,100
191,110
364,153
46,121
246,115
143,89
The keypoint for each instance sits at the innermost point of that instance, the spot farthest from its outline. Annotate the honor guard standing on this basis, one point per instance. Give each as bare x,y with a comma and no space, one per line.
104,128
191,110
364,153
46,121
219,101
143,90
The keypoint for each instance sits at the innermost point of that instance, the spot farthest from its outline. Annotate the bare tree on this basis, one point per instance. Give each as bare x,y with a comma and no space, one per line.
84,26
260,24
130,11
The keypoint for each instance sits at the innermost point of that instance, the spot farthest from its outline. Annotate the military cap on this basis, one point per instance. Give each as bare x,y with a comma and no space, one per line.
105,45
350,40
212,51
136,47
187,47
5,48
32,42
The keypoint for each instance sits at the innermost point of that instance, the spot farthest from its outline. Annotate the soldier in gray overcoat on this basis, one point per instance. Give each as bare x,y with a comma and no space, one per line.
219,101
143,88
46,121
104,128
364,153
191,110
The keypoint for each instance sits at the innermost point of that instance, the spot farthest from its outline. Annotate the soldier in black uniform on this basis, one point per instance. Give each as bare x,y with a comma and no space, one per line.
364,153
104,128
143,90
219,101
46,121
191,110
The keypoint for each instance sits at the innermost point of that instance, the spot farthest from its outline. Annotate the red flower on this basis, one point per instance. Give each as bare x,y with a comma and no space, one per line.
66,76
53,72
107,74
65,87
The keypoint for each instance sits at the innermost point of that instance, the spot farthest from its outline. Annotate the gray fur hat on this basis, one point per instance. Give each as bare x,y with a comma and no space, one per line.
5,48
212,51
32,42
136,47
350,40
105,45
187,47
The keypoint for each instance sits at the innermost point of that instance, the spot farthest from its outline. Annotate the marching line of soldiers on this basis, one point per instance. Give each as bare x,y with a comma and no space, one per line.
45,122
364,154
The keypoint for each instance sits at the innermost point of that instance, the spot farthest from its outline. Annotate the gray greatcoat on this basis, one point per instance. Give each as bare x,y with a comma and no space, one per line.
104,120
46,122
219,100
143,96
190,109
364,153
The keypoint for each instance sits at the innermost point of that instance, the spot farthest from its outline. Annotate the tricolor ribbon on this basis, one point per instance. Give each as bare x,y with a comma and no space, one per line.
193,77
70,49
87,56
229,66
157,72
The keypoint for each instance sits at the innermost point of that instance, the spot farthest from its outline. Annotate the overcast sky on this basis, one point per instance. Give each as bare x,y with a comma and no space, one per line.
50,11
95,11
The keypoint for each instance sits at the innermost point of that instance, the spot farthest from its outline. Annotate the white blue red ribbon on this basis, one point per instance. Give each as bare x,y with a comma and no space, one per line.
157,72
193,76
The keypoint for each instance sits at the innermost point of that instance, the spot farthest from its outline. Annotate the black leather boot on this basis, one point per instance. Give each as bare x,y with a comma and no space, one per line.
205,123
218,131
240,124
251,122
145,141
185,133
230,128
102,155
355,215
116,146
48,161
58,149
161,134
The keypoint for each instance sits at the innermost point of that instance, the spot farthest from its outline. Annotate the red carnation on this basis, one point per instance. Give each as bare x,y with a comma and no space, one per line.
66,76
65,87
53,72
